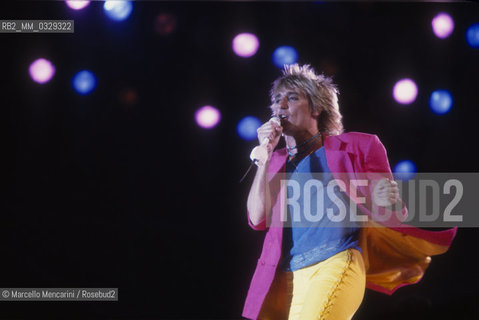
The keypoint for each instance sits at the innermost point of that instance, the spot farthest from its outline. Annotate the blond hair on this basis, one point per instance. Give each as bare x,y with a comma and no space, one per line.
322,94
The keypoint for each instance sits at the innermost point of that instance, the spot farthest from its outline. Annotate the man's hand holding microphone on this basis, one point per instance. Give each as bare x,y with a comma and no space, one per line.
259,198
268,136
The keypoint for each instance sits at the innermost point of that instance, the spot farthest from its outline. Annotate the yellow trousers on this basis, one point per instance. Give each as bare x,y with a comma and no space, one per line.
331,289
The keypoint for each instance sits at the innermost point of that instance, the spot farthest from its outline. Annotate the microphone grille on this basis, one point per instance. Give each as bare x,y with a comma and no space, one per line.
276,120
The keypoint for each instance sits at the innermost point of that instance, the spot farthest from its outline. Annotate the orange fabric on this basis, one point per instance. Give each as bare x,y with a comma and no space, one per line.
393,259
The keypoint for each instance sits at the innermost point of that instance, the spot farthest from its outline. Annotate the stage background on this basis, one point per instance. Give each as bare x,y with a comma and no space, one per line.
102,191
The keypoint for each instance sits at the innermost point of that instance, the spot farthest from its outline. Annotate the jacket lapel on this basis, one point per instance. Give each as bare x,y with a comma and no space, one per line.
340,161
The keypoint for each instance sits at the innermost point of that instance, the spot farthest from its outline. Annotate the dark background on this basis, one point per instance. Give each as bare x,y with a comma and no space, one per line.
104,193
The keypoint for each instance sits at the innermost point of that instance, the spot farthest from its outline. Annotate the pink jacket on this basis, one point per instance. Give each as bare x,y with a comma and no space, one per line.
401,254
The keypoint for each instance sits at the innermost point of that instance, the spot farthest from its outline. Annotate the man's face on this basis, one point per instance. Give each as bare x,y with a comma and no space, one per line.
292,106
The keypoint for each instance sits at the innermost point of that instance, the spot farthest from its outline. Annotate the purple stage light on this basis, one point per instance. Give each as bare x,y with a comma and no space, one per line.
77,4
442,25
245,45
41,70
207,117
405,91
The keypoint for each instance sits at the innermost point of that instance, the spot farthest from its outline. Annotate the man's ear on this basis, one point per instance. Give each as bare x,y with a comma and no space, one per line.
316,113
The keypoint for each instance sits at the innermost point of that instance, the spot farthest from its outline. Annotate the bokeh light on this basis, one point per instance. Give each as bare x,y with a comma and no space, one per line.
41,70
472,36
405,91
165,23
404,170
245,45
77,4
441,101
84,82
247,127
128,97
207,117
284,55
442,25
118,10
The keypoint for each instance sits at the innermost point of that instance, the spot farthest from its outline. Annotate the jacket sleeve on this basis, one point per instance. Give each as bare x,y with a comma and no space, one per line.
376,159
398,256
377,168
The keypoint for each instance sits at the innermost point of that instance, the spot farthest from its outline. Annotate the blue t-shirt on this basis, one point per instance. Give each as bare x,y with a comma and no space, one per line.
311,235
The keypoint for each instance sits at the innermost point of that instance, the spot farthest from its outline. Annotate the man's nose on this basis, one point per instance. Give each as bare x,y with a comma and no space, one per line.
283,104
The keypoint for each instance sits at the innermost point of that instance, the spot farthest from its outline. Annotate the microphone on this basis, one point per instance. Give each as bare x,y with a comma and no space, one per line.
259,154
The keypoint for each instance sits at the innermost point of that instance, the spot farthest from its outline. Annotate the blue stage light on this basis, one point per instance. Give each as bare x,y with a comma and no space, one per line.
247,127
118,10
84,82
440,101
404,170
472,36
284,55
